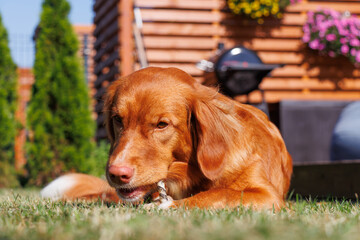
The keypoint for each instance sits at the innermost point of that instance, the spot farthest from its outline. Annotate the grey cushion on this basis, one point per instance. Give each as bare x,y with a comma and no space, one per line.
345,142
307,128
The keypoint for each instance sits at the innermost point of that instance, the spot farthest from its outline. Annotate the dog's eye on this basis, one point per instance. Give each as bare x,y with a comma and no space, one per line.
117,119
162,125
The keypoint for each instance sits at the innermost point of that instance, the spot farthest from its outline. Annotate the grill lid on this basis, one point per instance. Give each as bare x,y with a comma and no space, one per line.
240,71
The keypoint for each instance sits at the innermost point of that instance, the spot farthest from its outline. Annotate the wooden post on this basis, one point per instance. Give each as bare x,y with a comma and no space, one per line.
216,25
25,82
305,64
126,36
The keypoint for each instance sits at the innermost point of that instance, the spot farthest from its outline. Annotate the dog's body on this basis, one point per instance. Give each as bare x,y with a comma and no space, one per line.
211,151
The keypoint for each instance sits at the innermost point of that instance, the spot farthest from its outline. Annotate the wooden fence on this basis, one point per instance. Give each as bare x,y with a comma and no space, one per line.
179,33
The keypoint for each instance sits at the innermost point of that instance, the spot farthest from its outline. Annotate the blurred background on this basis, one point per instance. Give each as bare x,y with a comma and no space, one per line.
296,60
21,17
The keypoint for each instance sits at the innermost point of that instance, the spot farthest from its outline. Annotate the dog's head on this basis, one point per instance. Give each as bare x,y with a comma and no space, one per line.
156,117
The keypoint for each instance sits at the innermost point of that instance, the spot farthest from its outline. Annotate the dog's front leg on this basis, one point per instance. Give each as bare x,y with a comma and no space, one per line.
182,178
222,197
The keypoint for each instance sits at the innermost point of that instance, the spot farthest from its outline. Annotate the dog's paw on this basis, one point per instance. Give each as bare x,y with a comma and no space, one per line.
150,206
157,204
167,204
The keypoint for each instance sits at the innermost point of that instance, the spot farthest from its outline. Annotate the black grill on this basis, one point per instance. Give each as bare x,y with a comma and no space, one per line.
238,70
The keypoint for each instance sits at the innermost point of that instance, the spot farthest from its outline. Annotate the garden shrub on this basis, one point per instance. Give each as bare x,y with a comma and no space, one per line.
100,156
8,81
61,130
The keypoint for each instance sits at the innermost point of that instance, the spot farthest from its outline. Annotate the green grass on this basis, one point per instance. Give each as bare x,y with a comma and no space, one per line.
23,215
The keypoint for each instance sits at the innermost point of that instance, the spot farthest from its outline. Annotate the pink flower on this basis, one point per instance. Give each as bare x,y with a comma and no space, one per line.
314,44
322,28
343,40
320,18
344,49
353,51
306,28
321,46
310,14
331,37
306,38
355,42
331,53
333,33
357,58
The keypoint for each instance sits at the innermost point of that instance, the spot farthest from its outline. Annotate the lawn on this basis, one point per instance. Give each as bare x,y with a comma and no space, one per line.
23,215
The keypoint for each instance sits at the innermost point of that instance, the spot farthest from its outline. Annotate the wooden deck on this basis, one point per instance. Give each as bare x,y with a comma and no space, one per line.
321,180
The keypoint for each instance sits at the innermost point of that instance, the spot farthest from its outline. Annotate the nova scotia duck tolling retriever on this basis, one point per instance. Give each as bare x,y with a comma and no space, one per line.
209,150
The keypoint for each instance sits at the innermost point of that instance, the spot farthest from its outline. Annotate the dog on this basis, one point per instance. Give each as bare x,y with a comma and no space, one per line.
211,151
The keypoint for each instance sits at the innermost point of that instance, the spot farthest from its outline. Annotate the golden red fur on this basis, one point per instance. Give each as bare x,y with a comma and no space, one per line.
211,150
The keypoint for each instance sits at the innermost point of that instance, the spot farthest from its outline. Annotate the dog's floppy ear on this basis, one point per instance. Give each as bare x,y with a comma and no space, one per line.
109,99
213,119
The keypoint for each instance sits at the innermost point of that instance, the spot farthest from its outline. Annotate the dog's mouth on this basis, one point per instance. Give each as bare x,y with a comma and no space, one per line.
135,194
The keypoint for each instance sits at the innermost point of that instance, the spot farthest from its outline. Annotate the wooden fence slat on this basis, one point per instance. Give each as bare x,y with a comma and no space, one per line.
312,84
110,31
289,19
99,94
295,84
276,96
126,36
261,31
196,55
109,76
208,30
106,21
183,4
176,55
100,120
178,29
332,71
110,45
289,71
105,7
261,44
108,62
97,4
179,42
349,84
166,15
256,44
281,57
189,68
101,132
100,103
293,19
209,5
286,72
312,6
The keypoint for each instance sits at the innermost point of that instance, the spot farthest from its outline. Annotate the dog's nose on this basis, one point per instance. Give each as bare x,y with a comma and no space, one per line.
122,173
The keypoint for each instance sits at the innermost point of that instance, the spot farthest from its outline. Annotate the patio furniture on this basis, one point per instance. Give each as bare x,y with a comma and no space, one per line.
307,128
345,142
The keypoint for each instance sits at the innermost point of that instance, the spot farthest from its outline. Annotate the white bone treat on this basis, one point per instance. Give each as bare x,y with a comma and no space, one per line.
165,200
162,192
